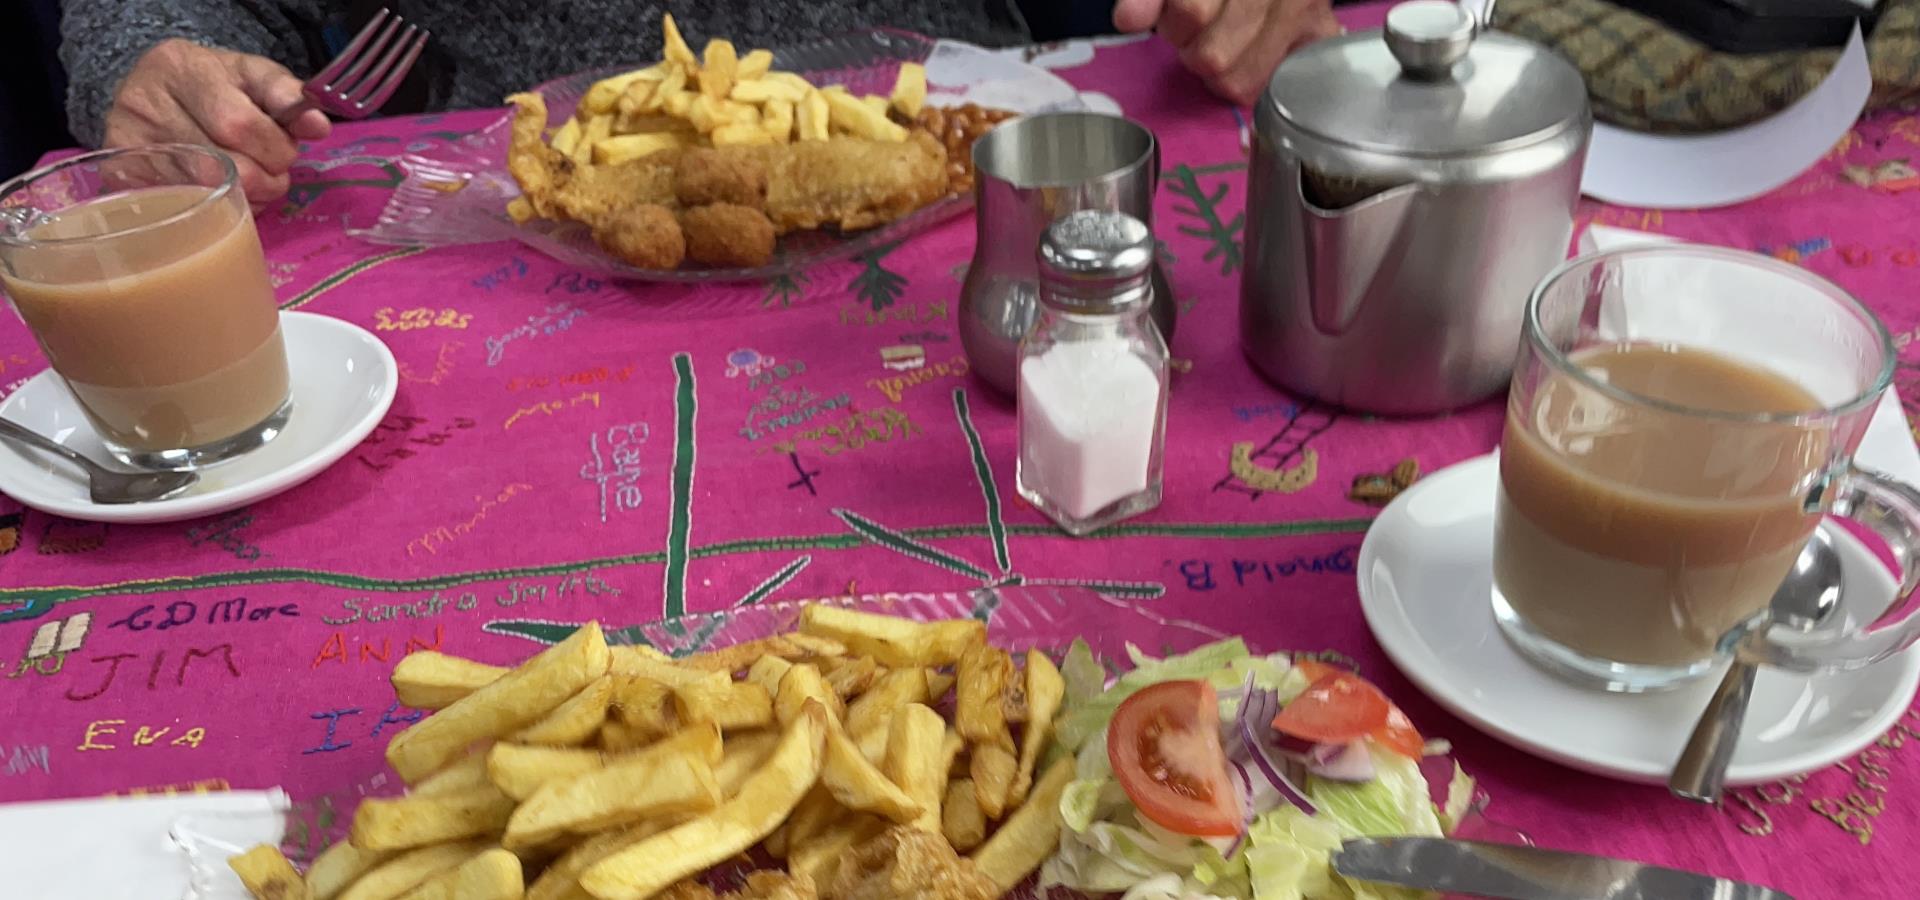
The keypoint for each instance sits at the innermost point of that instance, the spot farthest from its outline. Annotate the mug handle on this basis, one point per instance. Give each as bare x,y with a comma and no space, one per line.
1891,509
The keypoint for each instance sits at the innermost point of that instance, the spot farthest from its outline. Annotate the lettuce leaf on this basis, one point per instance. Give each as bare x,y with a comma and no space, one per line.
1213,662
1394,802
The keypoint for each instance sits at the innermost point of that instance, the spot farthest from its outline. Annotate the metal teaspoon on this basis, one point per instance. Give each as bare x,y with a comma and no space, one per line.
103,484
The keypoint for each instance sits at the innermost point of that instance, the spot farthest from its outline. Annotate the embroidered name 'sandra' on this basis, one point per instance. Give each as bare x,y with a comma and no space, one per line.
440,537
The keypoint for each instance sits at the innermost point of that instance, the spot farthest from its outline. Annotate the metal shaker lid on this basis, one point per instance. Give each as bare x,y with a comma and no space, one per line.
1431,83
1096,261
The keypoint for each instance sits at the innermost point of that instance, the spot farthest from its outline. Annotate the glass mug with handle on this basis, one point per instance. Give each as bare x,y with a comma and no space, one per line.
141,276
1680,421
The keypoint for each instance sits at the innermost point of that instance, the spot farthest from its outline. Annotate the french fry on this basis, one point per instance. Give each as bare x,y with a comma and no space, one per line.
754,65
720,64
1028,836
669,87
434,680
469,771
909,90
561,880
873,742
858,784
605,93
619,737
874,709
802,683
894,642
629,147
520,210
573,722
508,704
267,874
993,768
852,115
655,667
648,867
1046,689
673,776
643,704
565,139
732,705
744,755
877,104
632,102
407,870
765,91
811,120
776,119
674,47
853,677
914,760
596,129
961,818
950,746
519,770
767,672
679,104
815,812
741,135
978,715
783,647
938,684
338,866
493,875
790,78
416,821
818,856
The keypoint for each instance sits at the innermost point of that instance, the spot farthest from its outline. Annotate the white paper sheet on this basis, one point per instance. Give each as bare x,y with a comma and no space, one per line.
1697,171
1888,445
120,848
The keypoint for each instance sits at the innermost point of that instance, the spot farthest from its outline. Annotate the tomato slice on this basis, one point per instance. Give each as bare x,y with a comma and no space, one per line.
1337,708
1399,734
1340,706
1164,744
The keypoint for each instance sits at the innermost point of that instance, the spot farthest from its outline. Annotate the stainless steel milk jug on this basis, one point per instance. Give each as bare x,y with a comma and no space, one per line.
1409,186
1030,172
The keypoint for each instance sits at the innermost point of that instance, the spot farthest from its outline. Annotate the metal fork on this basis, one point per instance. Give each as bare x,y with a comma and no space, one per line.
365,74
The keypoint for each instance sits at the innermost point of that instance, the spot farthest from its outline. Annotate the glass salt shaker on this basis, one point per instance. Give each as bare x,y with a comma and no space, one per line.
1093,376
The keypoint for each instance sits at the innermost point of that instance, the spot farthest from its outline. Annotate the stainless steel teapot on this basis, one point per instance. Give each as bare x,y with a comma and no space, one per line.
1409,186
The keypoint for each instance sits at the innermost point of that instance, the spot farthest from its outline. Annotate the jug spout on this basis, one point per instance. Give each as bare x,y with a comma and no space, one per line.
1346,247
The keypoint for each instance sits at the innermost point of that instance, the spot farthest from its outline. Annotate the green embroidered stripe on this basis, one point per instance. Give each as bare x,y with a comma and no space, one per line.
774,583
31,602
1136,589
680,519
894,540
336,279
983,473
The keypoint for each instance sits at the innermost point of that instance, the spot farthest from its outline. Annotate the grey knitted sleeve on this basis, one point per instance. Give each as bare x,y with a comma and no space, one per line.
102,39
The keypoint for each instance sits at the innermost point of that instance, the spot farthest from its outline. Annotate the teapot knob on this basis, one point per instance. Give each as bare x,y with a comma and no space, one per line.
1429,36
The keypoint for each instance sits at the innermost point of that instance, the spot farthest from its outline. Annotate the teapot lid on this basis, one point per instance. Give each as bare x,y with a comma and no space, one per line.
1431,83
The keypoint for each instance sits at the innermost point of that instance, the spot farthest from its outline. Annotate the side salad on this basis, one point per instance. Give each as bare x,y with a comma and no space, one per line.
1222,774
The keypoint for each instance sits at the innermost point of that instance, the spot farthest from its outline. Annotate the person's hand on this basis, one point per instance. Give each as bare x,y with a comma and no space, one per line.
181,91
1233,45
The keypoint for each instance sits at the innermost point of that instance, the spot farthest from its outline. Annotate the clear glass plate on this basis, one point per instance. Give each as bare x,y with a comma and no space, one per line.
1018,619
458,194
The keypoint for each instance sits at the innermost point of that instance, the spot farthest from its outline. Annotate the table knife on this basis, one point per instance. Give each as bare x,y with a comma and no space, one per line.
1528,873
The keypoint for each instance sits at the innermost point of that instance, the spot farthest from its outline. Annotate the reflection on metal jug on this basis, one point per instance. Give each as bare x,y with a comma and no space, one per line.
1031,171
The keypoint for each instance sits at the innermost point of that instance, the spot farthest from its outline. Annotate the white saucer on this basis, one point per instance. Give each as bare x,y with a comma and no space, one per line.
1425,573
344,379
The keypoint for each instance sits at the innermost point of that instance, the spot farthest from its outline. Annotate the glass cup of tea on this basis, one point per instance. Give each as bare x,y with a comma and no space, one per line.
1680,421
141,276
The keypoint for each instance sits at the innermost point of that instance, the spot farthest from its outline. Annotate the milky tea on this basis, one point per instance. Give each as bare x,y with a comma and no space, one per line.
1634,534
154,304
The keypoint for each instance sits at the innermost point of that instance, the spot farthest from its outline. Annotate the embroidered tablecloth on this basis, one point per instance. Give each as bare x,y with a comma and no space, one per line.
566,448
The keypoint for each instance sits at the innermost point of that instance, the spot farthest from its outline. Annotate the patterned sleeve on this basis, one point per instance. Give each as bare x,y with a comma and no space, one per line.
102,39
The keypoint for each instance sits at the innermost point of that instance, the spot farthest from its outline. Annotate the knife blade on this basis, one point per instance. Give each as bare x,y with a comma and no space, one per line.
1507,872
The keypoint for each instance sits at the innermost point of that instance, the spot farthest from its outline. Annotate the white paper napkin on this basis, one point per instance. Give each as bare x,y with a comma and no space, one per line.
122,848
1888,445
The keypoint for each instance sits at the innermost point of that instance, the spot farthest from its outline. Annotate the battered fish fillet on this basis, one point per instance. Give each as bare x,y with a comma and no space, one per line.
845,182
908,862
723,234
760,886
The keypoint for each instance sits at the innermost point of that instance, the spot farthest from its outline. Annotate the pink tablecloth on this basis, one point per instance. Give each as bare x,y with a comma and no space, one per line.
778,458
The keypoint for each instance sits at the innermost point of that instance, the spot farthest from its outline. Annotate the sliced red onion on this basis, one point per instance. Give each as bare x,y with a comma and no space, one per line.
1261,744
1341,762
1438,771
1247,813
